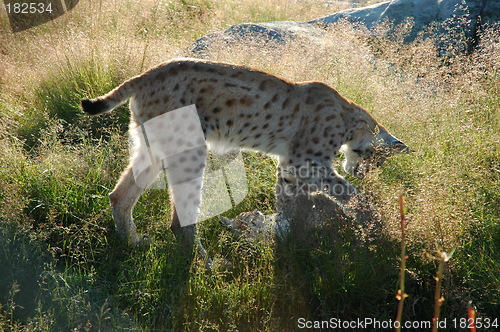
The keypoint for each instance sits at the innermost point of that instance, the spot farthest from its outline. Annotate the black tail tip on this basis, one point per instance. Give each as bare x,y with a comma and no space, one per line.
94,106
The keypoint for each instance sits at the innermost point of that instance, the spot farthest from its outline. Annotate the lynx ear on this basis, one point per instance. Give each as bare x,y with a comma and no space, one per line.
394,145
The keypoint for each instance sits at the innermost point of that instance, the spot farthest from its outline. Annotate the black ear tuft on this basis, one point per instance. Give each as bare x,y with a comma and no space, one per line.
94,106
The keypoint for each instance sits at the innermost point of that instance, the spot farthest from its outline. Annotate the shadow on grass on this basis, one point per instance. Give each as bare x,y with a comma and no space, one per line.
22,261
334,272
120,287
43,289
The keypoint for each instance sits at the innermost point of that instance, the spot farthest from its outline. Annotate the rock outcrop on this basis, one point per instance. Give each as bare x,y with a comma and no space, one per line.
463,16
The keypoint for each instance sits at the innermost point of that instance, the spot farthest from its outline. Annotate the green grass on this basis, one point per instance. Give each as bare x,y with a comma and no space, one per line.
64,269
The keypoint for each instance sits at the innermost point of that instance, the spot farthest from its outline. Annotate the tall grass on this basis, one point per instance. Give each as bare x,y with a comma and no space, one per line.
64,267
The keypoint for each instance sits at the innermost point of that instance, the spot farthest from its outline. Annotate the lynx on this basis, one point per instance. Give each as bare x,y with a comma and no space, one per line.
304,125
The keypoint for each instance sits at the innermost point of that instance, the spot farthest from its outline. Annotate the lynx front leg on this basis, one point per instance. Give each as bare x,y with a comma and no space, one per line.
124,197
353,204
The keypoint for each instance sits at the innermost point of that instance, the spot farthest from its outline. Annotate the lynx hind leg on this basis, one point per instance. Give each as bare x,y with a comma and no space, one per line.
188,238
124,197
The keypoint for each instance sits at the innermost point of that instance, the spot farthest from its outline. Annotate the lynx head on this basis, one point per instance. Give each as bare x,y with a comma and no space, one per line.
370,150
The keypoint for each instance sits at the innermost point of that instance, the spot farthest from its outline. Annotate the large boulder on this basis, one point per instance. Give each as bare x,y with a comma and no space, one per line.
463,16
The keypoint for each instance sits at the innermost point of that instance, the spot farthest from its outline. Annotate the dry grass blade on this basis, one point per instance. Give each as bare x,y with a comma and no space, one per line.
401,295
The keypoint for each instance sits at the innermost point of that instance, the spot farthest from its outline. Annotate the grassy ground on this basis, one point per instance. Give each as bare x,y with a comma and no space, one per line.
62,268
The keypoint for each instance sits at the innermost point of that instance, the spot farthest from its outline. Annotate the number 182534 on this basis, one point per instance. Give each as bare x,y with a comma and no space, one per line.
28,8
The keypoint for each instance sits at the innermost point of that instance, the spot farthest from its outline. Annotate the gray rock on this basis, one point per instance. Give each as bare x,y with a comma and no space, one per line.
490,12
269,32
